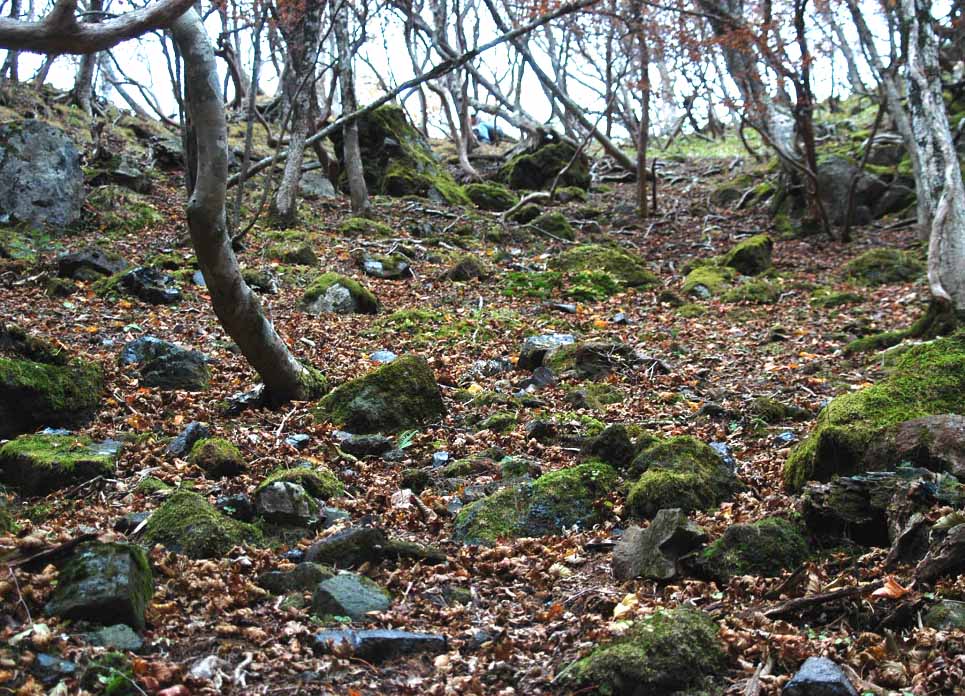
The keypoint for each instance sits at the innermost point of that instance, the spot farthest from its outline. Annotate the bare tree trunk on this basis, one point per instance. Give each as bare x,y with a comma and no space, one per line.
302,36
237,308
12,62
83,92
351,152
938,169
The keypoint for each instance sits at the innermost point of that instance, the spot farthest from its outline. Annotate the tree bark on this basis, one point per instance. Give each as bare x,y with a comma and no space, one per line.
351,152
83,92
938,167
236,307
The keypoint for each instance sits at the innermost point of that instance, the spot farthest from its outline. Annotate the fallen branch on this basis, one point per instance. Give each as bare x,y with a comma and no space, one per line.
799,603
42,558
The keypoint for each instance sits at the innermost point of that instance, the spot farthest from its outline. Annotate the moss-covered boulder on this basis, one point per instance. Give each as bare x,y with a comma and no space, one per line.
351,595
384,266
773,411
117,211
883,266
41,386
39,464
331,292
755,291
217,457
679,472
105,583
398,161
555,225
828,298
401,394
318,483
490,196
765,548
535,170
592,359
626,268
554,502
525,214
294,252
671,652
187,523
750,257
928,379
365,228
465,267
708,280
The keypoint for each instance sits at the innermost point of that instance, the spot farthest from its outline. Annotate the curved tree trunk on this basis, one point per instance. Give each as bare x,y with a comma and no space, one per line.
237,308
938,170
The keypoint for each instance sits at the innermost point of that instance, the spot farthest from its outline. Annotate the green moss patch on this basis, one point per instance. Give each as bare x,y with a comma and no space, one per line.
554,502
318,483
671,652
217,457
294,252
765,548
883,266
117,210
536,170
928,379
679,472
39,464
363,298
539,284
365,228
401,394
556,225
624,267
750,257
758,291
709,280
188,524
491,196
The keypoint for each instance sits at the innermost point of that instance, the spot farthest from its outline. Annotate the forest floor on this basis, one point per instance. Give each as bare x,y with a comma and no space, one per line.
541,602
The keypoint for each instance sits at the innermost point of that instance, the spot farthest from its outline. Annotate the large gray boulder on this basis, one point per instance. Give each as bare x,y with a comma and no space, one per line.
41,181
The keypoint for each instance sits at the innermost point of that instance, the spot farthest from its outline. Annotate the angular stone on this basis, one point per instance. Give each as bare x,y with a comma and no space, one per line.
378,645
535,348
303,577
182,444
365,445
932,442
41,180
385,266
612,446
653,552
946,557
314,185
819,676
151,285
946,615
39,464
351,595
104,583
89,264
116,637
166,365
287,503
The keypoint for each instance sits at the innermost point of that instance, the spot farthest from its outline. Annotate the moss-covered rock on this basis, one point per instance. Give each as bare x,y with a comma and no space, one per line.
535,170
708,280
591,359
118,210
188,524
759,291
626,268
499,422
401,394
40,386
526,214
554,502
595,396
671,652
294,251
318,483
465,267
691,310
540,284
568,194
827,298
332,292
882,266
491,196
773,411
39,464
398,161
556,225
591,286
217,457
365,228
106,583
679,472
928,379
750,257
764,548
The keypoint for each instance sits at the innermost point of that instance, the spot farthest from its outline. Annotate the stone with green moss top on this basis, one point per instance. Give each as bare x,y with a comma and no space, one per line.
39,464
188,524
751,256
555,502
926,380
465,267
827,298
491,196
217,457
569,194
385,266
691,310
536,170
595,395
708,280
592,359
773,411
106,583
294,252
883,266
526,214
555,225
673,652
318,483
332,292
626,268
401,394
365,228
759,291
150,485
499,422
764,548
679,472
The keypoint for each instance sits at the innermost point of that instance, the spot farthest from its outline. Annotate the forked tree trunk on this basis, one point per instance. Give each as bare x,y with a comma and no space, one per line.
236,307
938,168
351,152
